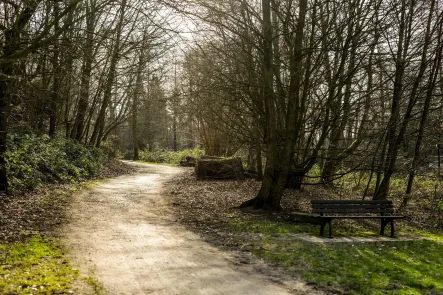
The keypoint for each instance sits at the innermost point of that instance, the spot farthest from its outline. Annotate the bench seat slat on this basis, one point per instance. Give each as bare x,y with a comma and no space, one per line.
352,211
351,202
365,217
332,206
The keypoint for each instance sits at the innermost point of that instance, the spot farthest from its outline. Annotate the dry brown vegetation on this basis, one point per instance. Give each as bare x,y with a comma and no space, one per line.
43,210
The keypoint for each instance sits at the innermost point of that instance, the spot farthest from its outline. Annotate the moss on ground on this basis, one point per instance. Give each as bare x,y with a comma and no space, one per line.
35,266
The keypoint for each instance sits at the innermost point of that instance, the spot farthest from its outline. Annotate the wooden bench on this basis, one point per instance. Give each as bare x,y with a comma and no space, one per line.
353,209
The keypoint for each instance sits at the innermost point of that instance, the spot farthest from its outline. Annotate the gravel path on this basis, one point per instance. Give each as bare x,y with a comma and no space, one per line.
122,232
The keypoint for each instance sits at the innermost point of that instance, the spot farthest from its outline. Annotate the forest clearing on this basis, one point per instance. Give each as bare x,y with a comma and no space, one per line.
255,130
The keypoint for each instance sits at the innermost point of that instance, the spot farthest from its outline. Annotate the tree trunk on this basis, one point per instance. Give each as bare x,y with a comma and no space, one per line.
431,85
174,134
340,111
135,155
97,134
279,152
6,70
78,128
55,94
391,154
396,140
259,162
68,74
135,102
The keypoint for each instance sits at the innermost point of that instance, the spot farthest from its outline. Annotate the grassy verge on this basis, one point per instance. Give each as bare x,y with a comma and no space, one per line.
35,266
382,267
400,267
32,260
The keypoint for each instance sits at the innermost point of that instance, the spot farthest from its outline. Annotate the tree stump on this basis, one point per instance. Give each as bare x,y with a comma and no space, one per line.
219,168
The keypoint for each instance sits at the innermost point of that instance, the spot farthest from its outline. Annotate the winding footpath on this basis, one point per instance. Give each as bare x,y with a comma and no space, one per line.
122,233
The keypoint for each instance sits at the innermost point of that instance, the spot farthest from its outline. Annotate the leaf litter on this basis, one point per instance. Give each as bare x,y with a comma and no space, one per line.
43,210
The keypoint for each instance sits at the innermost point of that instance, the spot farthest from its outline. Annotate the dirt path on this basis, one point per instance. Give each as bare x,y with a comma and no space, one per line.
122,231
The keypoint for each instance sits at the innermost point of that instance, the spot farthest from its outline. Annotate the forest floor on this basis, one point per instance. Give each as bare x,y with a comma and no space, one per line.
356,261
124,233
159,230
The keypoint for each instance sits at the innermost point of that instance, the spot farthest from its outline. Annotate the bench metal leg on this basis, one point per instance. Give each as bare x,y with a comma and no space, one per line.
392,228
383,225
323,224
384,222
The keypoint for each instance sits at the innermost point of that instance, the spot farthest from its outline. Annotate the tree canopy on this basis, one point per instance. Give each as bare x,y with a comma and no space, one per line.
289,86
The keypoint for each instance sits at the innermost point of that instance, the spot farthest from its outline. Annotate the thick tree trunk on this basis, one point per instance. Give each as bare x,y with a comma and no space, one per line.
271,191
135,101
267,191
259,163
6,70
135,155
55,93
174,133
78,128
98,132
279,152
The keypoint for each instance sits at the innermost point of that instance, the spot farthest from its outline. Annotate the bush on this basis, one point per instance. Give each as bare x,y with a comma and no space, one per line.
110,147
128,155
32,161
169,157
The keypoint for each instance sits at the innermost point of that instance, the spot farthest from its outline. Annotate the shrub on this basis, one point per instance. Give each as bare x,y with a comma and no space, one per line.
128,155
169,157
111,147
32,161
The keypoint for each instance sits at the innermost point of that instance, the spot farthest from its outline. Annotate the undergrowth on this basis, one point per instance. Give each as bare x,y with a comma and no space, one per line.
33,161
167,156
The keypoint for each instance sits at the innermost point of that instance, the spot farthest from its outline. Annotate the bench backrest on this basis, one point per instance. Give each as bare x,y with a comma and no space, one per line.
347,206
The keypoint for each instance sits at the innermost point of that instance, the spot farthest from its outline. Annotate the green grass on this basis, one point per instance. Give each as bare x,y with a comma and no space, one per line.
36,266
96,286
400,267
